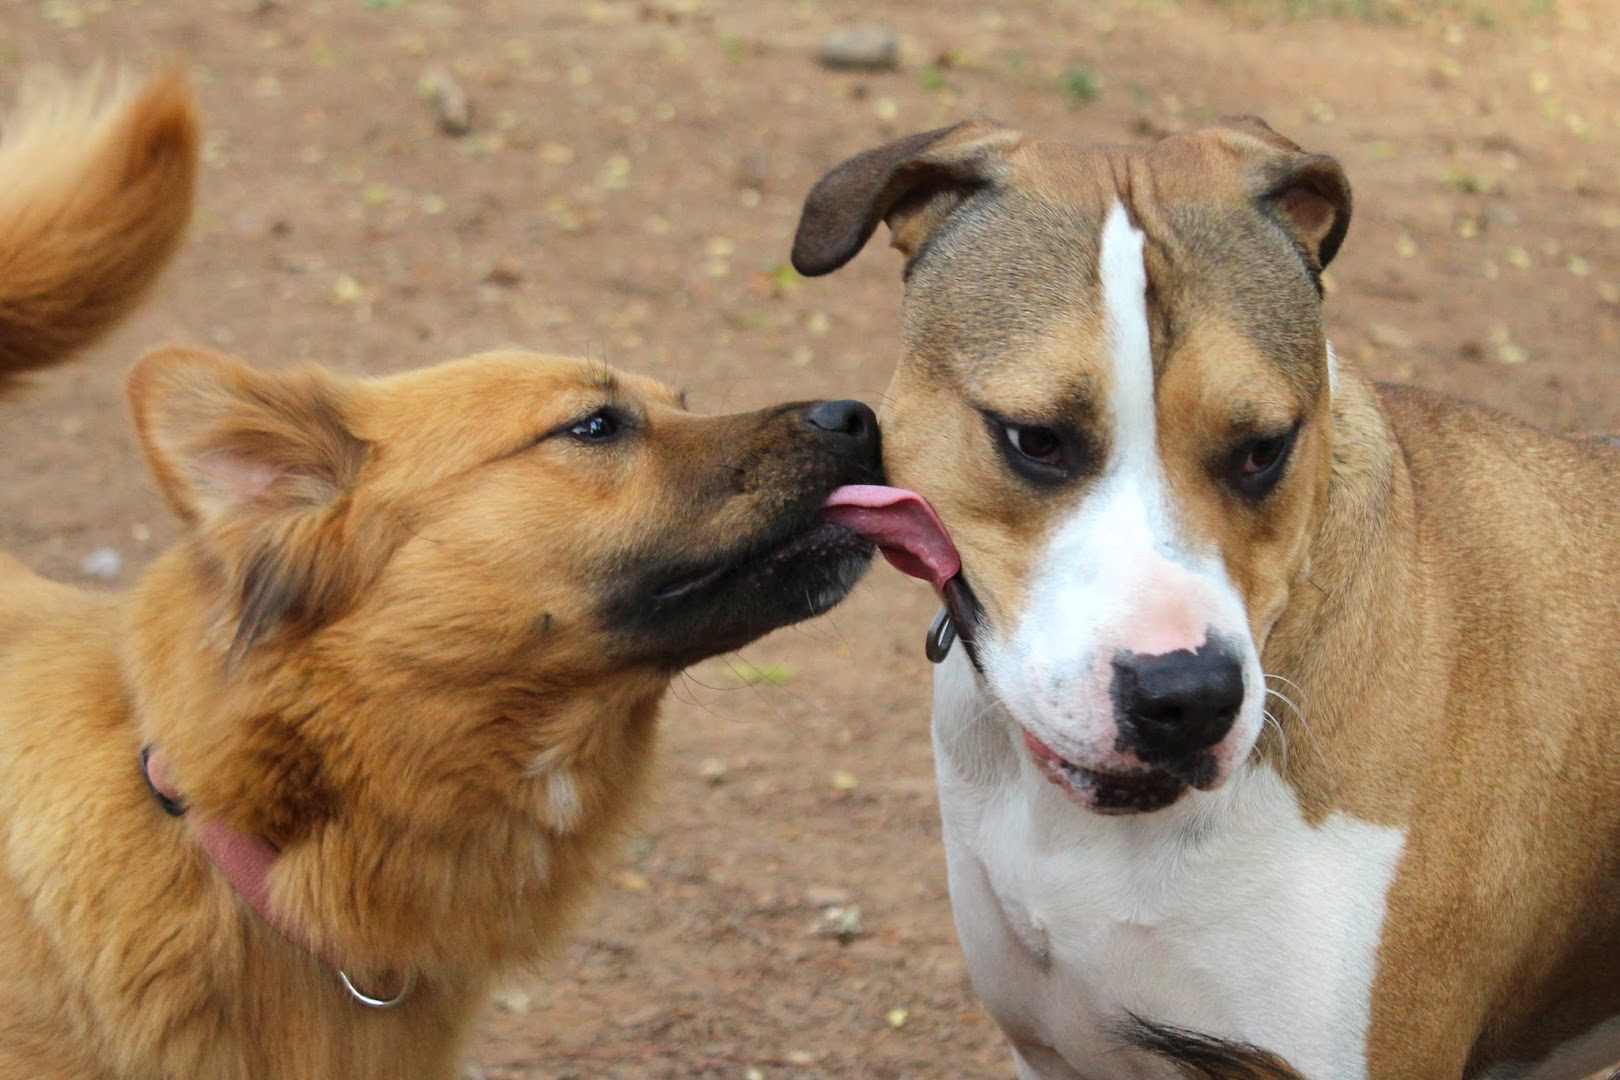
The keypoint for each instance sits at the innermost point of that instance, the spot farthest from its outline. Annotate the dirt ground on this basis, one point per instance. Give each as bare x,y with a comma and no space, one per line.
628,190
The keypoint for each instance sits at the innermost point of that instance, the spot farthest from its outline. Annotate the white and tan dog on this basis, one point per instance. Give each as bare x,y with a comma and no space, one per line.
1289,705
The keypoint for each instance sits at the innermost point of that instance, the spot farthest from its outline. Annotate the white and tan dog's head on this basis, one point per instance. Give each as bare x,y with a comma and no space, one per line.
1116,392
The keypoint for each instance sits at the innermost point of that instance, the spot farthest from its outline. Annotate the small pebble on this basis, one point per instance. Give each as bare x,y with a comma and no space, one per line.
861,48
504,272
842,922
451,106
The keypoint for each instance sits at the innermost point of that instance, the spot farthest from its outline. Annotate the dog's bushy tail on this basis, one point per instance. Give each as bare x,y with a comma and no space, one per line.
1202,1057
96,184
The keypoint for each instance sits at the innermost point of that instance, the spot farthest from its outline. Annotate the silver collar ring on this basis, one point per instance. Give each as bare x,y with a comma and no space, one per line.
379,1003
941,635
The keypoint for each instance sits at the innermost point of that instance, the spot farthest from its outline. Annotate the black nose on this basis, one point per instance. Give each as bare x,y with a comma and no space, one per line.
848,418
1172,705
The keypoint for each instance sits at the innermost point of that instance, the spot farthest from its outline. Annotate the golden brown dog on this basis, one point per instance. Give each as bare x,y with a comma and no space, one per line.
1174,509
366,731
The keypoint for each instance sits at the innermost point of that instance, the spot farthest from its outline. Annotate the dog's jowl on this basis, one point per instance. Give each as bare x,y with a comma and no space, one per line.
1281,724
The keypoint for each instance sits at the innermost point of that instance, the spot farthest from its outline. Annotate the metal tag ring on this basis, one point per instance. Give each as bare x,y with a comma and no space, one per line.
941,636
379,1003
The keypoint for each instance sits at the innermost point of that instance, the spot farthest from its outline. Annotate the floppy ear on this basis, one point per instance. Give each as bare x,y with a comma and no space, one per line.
1307,194
914,183
260,466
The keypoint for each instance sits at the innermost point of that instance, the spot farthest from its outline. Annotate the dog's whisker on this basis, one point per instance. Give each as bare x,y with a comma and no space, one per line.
1300,690
689,677
675,688
1299,713
838,632
955,738
1282,736
1286,700
753,685
694,702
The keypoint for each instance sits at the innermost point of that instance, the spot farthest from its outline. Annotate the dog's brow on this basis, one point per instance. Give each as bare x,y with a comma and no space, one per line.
1246,417
605,380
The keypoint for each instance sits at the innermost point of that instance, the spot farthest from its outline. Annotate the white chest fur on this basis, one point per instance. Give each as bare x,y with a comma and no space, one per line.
1226,913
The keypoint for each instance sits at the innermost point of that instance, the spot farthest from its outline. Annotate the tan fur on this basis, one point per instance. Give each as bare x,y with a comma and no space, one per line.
1440,584
411,636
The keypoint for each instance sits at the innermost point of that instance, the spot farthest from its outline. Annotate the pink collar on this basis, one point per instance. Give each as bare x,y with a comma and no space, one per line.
246,862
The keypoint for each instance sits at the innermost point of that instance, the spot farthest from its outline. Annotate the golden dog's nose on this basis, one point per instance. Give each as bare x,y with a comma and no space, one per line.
851,419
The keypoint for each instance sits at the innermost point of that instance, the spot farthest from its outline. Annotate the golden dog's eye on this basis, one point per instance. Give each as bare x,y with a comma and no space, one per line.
597,427
1036,443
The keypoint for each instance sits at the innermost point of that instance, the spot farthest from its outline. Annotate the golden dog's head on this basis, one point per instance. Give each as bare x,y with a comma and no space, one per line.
417,605
1116,391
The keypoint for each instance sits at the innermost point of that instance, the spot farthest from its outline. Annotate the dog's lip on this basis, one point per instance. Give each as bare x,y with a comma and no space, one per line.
816,531
1053,765
1104,791
687,585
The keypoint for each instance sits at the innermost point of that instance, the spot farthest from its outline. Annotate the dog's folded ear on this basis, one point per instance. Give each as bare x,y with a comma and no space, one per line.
260,466
914,184
1307,194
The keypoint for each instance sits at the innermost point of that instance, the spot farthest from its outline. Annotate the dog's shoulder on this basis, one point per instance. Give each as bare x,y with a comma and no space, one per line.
1483,451
27,600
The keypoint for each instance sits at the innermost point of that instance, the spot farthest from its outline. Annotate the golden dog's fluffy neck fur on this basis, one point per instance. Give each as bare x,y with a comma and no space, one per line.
508,838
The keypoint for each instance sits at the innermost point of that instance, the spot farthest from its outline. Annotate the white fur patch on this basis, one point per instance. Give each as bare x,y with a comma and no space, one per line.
1130,398
1226,913
1333,370
563,808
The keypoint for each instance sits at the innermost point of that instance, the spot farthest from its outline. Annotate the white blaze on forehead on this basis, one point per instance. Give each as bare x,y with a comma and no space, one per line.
1124,289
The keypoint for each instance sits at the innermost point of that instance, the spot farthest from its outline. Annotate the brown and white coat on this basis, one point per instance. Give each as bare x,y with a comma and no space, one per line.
1392,850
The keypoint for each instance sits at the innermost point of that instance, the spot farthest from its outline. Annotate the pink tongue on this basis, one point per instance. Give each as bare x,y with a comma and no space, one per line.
902,524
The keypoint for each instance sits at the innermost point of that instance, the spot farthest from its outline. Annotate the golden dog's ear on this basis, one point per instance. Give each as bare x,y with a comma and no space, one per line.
260,466
914,184
1307,193
225,440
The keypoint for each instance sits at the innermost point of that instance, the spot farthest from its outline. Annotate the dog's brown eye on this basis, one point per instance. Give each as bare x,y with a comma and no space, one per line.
1257,465
1041,455
1036,443
1263,455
